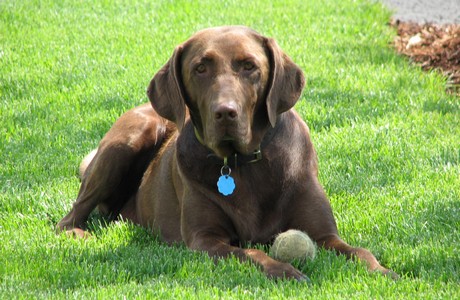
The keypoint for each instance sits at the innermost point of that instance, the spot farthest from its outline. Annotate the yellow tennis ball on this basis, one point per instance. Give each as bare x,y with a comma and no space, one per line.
291,245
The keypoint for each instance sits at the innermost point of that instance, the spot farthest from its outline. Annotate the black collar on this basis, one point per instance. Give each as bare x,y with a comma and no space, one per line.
236,159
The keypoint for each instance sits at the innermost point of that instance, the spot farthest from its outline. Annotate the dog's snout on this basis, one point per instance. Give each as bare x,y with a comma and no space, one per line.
225,112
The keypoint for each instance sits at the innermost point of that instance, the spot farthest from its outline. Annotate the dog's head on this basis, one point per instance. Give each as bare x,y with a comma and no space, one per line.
234,81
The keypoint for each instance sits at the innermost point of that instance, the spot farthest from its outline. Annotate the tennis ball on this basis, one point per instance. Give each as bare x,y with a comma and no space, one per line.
291,245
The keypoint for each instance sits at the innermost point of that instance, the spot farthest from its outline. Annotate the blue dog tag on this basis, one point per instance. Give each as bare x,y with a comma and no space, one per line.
226,185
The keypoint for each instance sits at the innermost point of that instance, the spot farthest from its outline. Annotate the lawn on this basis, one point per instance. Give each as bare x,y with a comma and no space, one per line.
387,136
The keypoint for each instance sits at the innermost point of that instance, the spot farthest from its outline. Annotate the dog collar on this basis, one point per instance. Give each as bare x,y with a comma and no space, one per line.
226,183
236,158
197,135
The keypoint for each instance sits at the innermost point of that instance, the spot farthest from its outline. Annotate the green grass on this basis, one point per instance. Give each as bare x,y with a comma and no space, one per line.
387,136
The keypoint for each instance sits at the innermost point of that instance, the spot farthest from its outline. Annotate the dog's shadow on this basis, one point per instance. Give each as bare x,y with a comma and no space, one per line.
136,254
120,249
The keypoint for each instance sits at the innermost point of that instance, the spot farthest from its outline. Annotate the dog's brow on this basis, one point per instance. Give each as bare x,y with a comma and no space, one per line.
246,57
199,59
209,55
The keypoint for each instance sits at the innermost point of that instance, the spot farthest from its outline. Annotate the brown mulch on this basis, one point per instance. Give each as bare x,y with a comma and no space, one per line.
432,47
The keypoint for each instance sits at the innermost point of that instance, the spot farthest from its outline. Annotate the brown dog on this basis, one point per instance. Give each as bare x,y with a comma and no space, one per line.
222,111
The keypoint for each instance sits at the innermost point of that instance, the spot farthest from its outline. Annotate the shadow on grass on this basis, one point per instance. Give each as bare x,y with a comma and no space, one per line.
443,106
121,253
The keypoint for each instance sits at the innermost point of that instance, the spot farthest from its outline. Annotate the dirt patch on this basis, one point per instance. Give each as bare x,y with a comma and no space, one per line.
432,47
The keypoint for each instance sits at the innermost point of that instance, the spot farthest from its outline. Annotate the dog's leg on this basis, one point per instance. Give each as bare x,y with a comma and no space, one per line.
100,182
212,234
114,174
333,242
218,247
313,215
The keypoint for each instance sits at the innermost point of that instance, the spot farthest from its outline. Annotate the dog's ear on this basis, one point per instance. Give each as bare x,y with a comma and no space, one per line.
286,82
166,91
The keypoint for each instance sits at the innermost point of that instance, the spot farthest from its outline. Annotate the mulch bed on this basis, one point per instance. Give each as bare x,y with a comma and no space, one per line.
432,47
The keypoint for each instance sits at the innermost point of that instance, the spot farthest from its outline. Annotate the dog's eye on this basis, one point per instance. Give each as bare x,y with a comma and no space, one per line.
248,66
201,68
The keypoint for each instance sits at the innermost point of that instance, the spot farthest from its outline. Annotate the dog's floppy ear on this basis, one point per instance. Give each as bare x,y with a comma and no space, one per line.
285,83
166,91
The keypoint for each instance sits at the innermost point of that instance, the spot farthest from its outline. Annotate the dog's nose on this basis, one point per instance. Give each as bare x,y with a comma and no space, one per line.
225,112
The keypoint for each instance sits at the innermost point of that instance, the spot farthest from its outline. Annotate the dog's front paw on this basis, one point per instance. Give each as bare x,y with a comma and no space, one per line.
78,233
279,270
389,273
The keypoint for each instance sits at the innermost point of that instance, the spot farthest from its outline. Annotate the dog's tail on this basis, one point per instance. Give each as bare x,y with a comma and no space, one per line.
85,163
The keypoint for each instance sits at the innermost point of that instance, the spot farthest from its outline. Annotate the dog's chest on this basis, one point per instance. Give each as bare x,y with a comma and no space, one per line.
255,226
255,206
262,192
255,209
